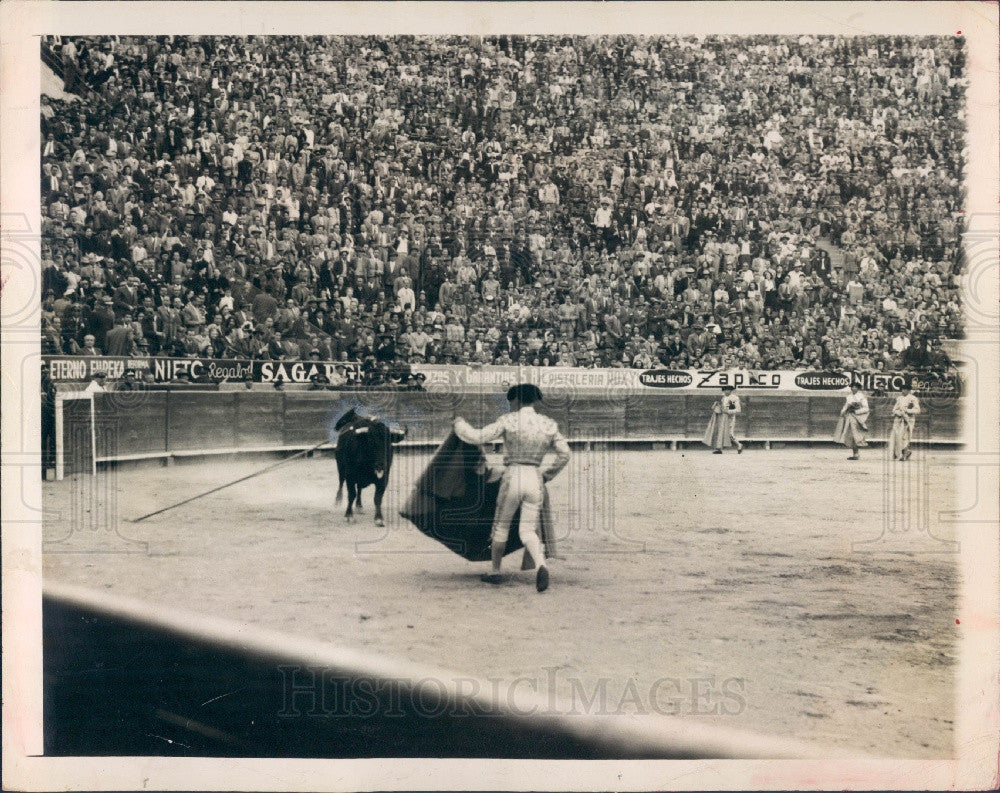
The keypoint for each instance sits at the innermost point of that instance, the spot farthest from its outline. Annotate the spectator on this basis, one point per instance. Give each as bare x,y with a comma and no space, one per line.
97,383
120,341
89,346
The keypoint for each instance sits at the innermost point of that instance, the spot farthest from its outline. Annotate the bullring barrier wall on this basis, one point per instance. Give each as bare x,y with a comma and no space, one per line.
164,424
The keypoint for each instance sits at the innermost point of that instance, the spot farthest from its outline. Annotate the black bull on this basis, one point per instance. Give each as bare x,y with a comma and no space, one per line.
364,457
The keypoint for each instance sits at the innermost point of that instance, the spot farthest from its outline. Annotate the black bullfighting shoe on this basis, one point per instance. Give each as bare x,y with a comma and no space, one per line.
542,579
491,578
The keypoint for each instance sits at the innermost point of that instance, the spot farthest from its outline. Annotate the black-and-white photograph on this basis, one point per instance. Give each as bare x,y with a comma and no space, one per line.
523,396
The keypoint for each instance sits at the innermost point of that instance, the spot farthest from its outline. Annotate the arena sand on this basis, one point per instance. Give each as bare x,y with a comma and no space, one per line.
789,591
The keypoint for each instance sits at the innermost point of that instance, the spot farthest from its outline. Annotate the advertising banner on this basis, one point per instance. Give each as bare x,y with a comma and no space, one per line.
70,368
938,383
822,381
496,379
299,371
585,379
666,378
64,368
751,379
442,378
499,378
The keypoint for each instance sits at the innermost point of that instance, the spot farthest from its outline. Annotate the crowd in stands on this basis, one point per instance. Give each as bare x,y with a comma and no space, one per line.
710,202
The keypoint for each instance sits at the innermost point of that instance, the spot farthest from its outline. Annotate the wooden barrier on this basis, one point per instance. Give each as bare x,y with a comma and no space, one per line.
943,417
427,417
595,418
132,425
823,415
697,412
259,420
307,419
188,423
76,443
767,417
215,426
655,417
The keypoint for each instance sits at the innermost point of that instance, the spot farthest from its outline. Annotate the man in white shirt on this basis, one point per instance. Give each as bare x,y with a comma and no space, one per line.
855,291
602,217
139,253
549,193
900,342
406,298
97,384
527,437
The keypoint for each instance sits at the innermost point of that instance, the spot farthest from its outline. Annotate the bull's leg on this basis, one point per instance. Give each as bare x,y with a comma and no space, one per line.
357,504
351,495
379,492
340,488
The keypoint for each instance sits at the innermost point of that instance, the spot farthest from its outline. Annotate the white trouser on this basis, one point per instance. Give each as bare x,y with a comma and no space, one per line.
521,486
